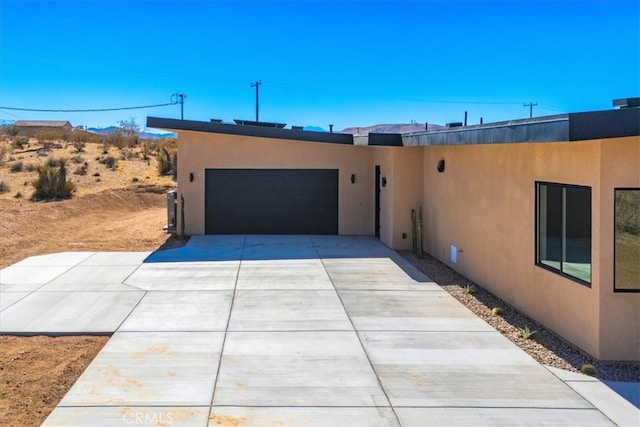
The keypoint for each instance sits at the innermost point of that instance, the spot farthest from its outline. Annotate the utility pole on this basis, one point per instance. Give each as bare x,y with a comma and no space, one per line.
257,86
531,105
181,97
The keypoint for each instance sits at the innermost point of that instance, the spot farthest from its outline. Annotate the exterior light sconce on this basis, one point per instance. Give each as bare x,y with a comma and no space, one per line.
384,181
191,177
441,166
353,178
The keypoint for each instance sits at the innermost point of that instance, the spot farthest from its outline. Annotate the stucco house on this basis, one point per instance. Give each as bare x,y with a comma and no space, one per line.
542,212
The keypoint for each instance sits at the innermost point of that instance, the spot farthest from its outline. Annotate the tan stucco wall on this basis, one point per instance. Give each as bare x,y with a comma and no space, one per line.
199,151
619,311
484,203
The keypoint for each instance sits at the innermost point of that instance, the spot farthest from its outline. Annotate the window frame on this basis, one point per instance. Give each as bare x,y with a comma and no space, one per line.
615,190
537,239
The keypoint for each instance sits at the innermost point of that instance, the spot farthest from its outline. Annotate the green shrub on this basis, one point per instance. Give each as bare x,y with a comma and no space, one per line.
526,333
52,182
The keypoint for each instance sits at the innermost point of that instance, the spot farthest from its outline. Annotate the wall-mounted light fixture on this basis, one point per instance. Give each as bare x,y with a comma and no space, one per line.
384,181
191,177
441,166
353,178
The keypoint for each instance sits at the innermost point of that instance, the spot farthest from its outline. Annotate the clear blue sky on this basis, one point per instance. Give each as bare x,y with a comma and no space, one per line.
350,63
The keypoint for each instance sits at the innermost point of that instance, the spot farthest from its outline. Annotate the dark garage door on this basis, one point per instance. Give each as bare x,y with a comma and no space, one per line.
271,201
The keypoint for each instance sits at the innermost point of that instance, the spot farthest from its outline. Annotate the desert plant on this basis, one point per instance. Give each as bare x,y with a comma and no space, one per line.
588,369
526,333
51,162
81,170
48,137
17,166
18,195
30,167
77,159
4,150
469,288
20,142
52,182
167,160
79,146
110,162
496,311
4,187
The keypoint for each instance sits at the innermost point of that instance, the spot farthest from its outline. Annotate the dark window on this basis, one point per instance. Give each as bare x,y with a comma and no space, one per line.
563,238
627,240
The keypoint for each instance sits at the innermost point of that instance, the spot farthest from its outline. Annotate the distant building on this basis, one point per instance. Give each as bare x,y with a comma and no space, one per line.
30,127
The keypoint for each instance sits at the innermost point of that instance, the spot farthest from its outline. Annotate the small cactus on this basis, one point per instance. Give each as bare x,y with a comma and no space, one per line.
469,289
496,311
588,369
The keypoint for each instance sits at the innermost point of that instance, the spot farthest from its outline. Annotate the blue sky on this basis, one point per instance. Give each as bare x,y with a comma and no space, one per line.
349,63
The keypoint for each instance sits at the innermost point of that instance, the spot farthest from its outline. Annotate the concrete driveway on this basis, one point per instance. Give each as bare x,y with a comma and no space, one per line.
284,331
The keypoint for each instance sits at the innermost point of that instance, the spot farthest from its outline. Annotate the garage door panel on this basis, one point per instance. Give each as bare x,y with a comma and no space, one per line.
271,201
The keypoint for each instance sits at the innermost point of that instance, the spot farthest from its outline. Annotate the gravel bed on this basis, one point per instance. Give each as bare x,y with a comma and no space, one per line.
544,346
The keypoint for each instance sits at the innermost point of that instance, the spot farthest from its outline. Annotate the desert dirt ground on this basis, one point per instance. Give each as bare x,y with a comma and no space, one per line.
112,210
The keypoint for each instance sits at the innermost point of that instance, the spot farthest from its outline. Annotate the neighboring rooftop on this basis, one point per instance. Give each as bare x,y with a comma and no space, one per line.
42,123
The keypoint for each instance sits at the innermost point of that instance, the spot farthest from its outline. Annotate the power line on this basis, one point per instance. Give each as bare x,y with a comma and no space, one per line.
90,110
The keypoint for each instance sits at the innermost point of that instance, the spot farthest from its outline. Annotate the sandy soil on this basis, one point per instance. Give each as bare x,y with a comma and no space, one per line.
109,212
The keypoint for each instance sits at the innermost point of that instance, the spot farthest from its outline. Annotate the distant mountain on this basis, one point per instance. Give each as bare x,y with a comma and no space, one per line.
314,129
143,135
390,128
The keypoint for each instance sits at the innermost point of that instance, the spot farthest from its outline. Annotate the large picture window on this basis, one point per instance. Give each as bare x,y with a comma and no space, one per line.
563,237
627,240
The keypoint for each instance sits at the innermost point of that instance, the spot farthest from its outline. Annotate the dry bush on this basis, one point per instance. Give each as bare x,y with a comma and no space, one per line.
17,166
109,161
168,158
4,187
52,182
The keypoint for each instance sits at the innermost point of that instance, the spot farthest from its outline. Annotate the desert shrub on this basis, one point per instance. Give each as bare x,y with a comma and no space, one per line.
51,162
81,170
18,195
128,154
52,182
20,142
30,167
79,146
106,146
110,162
48,137
5,149
96,174
168,159
77,159
4,187
134,179
17,167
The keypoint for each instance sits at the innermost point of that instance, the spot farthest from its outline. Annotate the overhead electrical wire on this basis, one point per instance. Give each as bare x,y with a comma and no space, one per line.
89,110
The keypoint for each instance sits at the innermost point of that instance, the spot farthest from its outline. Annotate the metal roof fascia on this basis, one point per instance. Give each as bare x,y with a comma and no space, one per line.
256,131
